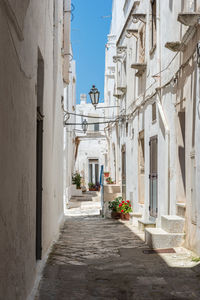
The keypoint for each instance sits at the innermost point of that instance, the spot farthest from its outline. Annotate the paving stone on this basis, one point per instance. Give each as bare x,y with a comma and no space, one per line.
99,259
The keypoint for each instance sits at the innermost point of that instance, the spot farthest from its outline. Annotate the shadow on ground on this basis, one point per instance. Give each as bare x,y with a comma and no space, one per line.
97,258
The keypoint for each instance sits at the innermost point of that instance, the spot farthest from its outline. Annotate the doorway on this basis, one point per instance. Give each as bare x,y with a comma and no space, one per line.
124,172
94,175
153,177
141,164
39,155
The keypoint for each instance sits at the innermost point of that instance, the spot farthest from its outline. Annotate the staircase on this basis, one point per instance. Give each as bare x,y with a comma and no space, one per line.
170,235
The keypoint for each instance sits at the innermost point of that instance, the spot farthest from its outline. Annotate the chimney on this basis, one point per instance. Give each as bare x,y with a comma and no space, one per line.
83,98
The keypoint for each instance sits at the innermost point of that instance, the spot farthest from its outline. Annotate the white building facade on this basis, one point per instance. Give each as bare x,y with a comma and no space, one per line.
34,63
91,147
152,74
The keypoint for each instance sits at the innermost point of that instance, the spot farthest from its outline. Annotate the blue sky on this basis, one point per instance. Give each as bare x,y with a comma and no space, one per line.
89,36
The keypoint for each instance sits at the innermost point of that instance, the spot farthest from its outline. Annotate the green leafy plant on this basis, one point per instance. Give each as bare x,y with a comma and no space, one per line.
109,180
196,259
114,205
91,185
76,179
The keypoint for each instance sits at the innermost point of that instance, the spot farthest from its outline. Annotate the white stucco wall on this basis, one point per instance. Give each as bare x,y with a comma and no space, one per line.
171,98
25,27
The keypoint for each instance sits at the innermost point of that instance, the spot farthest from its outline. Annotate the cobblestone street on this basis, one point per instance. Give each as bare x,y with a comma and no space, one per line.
97,258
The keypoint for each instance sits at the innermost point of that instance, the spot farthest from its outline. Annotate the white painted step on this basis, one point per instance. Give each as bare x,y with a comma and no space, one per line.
158,238
172,224
180,209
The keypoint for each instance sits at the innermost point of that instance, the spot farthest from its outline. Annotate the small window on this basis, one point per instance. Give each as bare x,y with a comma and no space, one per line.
153,112
153,24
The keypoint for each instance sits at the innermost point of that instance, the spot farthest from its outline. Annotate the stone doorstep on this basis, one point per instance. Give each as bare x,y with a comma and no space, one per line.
136,215
142,224
158,238
172,224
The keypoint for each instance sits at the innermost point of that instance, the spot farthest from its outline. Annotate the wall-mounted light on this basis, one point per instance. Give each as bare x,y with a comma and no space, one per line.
94,96
85,125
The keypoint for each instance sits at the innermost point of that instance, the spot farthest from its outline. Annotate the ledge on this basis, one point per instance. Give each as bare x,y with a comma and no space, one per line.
132,32
140,67
121,49
122,88
139,17
175,46
189,18
117,58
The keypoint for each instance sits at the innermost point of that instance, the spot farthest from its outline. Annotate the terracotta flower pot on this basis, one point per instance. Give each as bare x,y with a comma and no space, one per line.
115,215
125,217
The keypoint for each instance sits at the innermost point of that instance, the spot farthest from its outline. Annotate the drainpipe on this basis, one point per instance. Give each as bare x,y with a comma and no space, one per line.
160,108
66,39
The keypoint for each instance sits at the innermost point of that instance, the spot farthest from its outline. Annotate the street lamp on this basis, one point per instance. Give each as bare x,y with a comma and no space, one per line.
85,125
94,96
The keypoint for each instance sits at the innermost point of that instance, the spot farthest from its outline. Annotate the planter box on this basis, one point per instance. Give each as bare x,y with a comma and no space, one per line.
106,174
115,215
125,217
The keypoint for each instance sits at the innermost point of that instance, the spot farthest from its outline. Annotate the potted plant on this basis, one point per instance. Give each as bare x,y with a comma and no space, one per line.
76,179
97,186
91,186
125,208
114,207
106,174
109,180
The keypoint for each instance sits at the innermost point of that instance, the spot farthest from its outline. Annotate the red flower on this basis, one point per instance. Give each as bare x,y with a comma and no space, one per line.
120,205
123,201
129,205
122,210
128,201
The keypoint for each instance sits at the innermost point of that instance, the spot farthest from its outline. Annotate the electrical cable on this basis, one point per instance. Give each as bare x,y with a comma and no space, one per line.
92,117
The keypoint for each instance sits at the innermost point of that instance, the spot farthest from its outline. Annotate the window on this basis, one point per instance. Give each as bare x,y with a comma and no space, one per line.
153,24
154,112
96,127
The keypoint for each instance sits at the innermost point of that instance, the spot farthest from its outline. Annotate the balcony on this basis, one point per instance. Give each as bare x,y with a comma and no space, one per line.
141,67
189,18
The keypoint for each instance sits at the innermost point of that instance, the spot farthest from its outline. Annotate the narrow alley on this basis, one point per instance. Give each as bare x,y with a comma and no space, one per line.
107,259
100,149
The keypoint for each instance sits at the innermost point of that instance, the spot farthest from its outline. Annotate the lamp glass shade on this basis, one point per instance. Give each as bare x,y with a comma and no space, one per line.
84,126
94,96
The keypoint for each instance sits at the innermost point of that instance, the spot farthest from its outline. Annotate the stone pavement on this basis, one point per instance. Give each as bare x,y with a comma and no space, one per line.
97,258
89,204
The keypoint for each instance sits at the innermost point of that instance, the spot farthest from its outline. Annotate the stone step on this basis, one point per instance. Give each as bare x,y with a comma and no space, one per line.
158,238
142,224
180,209
112,189
135,216
172,224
